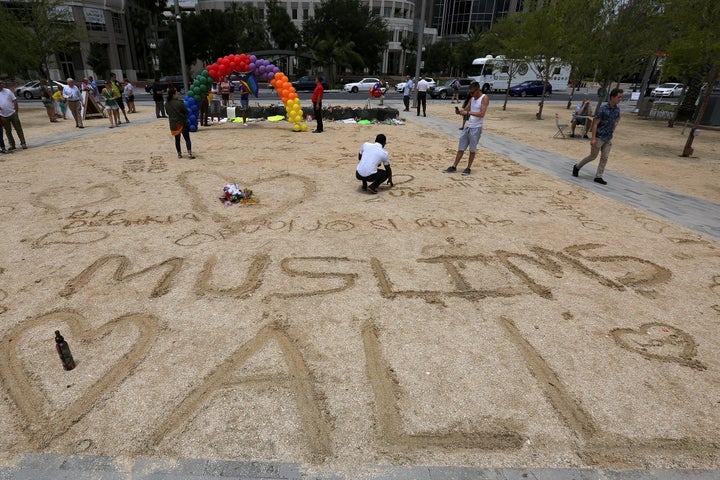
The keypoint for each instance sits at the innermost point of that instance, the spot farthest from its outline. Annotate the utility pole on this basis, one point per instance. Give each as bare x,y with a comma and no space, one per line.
418,57
181,47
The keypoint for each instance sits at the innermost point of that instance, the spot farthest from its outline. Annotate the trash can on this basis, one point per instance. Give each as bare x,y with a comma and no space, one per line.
711,117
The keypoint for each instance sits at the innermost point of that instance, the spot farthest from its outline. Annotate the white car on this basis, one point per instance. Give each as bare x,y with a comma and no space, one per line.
668,90
363,85
401,86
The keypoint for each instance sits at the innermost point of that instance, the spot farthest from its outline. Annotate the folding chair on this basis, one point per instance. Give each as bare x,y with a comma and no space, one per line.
560,128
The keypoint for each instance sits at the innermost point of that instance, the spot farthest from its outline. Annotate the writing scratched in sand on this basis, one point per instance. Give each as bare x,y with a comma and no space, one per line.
120,218
236,372
500,273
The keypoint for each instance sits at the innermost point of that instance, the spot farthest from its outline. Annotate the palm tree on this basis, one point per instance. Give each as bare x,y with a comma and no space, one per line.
334,52
407,44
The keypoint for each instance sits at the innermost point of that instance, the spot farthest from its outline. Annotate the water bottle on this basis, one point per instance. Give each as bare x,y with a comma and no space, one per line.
63,350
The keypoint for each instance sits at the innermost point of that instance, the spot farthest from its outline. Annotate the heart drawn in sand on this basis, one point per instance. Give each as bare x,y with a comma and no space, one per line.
658,341
44,426
61,198
274,195
80,237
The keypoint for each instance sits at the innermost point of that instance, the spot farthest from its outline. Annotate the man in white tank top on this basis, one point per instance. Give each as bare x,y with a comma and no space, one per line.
470,136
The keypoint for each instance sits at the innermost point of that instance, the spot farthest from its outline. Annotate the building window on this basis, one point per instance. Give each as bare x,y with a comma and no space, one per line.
306,13
94,19
117,24
294,14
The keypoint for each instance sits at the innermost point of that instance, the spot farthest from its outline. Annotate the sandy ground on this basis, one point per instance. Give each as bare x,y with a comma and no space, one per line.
507,318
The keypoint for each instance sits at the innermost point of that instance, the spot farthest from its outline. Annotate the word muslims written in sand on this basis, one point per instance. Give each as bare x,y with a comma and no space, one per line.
639,274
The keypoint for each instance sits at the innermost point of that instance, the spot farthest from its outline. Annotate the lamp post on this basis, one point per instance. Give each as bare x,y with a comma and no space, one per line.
297,60
153,58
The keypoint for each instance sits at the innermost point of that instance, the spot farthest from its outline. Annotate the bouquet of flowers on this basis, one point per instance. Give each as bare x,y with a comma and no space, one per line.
232,193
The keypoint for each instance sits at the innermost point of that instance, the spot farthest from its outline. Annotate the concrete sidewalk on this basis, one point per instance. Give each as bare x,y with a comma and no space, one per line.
59,467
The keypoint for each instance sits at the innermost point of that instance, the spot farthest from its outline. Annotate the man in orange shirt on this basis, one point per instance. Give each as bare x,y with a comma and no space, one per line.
317,104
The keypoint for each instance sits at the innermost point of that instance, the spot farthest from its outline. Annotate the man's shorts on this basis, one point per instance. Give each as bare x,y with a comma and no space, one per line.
470,138
244,103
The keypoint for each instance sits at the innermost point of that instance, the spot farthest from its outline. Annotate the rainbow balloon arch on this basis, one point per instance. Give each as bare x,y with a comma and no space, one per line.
249,66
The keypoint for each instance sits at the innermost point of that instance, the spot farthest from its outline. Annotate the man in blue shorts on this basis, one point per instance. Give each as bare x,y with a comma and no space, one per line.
470,136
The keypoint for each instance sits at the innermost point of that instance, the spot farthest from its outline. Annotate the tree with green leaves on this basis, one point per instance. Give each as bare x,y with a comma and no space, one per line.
468,49
212,34
333,52
626,33
438,58
694,48
408,44
575,45
541,36
349,21
283,31
99,59
40,28
503,37
15,57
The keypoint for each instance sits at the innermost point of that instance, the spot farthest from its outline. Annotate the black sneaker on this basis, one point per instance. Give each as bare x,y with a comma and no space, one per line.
450,170
466,172
575,171
600,181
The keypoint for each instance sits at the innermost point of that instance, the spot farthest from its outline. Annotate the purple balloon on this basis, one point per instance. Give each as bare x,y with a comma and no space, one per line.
253,58
251,66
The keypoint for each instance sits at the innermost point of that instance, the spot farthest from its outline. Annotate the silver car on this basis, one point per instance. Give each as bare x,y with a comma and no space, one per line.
32,89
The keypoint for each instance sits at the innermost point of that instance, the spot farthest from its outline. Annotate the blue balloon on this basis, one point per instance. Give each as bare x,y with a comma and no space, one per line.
193,127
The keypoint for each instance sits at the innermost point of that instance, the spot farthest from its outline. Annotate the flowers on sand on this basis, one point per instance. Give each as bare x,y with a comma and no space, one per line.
232,193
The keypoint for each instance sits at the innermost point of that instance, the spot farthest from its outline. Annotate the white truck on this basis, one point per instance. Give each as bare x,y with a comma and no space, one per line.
492,73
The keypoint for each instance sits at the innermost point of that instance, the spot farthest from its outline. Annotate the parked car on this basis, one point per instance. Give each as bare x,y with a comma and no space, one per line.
530,87
445,89
32,89
401,86
363,85
668,89
165,82
308,83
